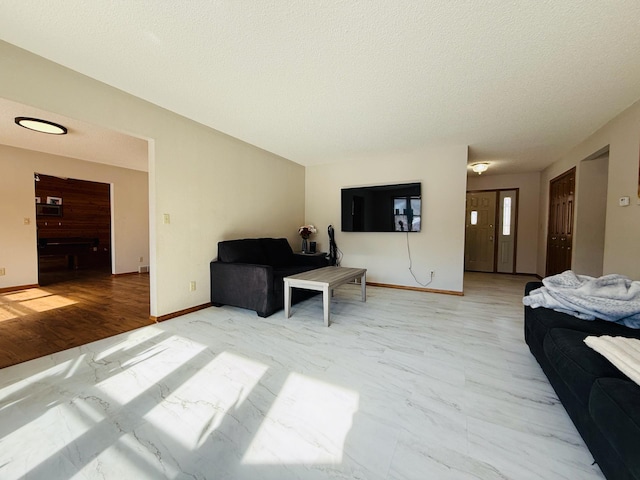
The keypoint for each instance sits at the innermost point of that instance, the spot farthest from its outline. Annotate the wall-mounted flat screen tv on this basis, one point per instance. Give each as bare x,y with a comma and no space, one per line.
382,208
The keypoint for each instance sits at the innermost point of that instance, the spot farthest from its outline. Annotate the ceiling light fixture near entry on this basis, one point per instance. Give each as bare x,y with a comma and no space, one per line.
43,126
480,167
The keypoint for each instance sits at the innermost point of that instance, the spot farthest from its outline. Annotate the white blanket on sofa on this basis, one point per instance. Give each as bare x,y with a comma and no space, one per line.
623,352
614,297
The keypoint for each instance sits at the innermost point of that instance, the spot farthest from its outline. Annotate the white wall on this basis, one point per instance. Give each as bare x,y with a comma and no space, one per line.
214,187
528,204
18,252
622,232
440,244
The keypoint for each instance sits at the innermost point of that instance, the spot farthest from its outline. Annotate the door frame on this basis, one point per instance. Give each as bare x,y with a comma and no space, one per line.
515,224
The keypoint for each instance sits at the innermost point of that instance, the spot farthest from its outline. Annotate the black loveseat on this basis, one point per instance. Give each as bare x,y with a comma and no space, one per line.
602,402
248,274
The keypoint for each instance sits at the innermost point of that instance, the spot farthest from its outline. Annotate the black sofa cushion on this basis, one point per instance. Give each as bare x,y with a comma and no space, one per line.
538,321
278,252
577,364
248,250
614,405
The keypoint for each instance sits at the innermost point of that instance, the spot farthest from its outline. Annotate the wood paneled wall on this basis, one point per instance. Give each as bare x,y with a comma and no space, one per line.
86,213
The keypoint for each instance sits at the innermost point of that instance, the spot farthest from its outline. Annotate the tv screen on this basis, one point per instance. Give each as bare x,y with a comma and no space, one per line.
382,208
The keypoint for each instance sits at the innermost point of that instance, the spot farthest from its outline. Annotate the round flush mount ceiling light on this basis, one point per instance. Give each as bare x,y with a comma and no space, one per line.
43,126
480,167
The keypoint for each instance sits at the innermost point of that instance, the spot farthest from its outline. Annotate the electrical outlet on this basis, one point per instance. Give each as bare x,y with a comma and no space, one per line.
192,286
433,273
141,259
2,272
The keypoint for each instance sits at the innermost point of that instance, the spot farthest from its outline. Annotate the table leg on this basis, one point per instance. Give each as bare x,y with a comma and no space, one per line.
363,286
287,299
326,300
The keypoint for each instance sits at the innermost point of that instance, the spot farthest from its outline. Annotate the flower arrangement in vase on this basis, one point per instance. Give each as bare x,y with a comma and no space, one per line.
305,231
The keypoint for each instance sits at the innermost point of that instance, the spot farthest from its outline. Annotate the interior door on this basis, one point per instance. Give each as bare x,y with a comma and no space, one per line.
560,231
479,255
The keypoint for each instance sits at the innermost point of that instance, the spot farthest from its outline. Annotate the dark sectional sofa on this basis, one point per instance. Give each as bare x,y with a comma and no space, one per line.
602,402
248,273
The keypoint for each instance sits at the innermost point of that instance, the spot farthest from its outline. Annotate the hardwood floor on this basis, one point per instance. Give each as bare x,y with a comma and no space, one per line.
69,309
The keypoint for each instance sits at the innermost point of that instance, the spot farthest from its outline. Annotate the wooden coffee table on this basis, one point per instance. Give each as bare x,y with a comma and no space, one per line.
324,280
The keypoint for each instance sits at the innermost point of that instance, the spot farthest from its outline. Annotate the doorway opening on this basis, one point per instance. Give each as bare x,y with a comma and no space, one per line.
491,221
591,215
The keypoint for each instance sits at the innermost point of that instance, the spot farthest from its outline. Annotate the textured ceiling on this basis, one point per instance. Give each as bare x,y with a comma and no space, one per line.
520,82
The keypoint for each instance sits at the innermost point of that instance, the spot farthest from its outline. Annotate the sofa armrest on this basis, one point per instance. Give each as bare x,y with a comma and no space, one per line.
531,286
310,260
242,285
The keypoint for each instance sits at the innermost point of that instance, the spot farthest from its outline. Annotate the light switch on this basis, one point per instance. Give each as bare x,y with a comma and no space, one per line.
27,221
166,219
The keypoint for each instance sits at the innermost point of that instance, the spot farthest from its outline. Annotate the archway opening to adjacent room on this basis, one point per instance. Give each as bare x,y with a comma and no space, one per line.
73,220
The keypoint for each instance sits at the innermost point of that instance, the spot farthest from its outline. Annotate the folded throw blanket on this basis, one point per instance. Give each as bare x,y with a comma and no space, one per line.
623,352
614,298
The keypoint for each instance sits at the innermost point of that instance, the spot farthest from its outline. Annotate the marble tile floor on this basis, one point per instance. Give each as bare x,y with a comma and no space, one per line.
408,385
